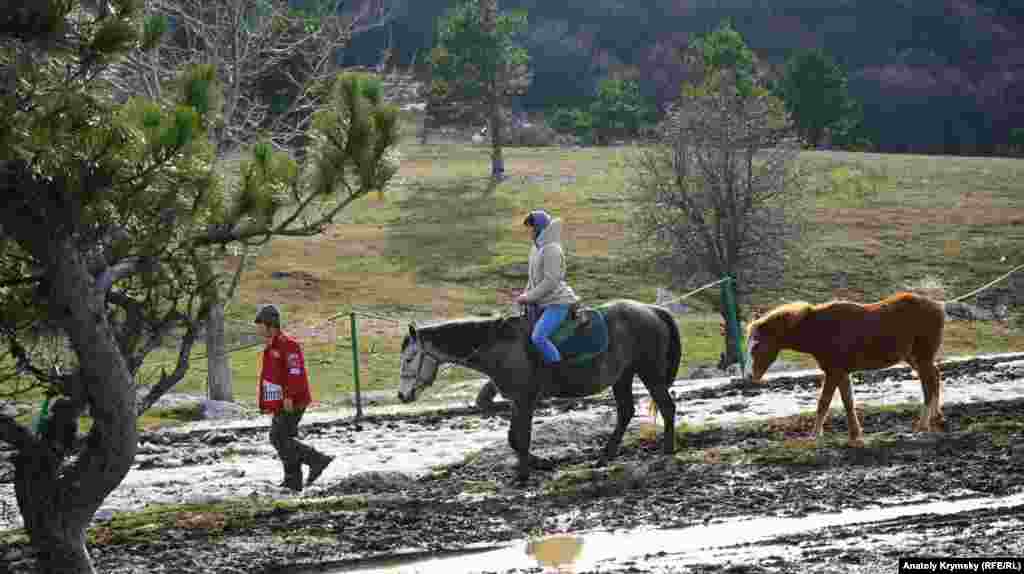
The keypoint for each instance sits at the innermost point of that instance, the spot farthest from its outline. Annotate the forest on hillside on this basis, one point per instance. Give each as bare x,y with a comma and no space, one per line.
933,76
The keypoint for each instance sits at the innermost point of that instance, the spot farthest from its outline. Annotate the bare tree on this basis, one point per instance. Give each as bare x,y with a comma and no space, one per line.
716,197
272,60
273,63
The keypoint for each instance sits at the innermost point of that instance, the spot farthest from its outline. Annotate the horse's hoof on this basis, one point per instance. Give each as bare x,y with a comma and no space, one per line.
856,442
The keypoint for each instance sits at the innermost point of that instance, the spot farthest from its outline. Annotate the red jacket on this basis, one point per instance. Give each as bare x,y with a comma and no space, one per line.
283,375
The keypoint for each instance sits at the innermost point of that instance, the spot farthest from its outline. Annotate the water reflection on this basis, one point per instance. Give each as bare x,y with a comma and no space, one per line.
569,553
557,553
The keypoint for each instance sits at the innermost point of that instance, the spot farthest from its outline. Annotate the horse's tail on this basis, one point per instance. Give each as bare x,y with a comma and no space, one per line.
675,345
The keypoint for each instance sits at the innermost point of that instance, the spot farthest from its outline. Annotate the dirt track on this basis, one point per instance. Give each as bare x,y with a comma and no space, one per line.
721,479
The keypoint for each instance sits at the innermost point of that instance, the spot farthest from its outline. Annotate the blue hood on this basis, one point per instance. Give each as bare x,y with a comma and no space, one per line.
541,219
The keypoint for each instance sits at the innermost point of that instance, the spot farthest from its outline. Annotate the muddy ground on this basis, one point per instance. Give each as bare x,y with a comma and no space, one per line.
766,467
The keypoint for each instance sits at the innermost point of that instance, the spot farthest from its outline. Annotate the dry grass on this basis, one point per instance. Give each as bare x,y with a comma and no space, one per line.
445,243
875,219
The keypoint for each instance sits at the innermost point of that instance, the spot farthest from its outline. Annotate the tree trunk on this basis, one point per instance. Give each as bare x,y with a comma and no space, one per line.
218,379
56,531
218,364
497,162
489,25
57,502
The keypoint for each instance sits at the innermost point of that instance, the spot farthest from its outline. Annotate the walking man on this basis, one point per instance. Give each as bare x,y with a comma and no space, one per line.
284,392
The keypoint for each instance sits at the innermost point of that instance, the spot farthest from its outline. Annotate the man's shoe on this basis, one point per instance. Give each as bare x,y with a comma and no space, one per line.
317,468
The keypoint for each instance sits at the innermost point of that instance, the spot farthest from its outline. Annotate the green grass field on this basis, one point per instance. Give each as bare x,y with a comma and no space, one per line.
444,243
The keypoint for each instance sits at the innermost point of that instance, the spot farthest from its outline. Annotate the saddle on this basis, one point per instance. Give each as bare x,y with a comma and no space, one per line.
582,336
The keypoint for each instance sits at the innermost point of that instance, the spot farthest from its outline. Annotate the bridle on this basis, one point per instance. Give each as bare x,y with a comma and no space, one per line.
422,351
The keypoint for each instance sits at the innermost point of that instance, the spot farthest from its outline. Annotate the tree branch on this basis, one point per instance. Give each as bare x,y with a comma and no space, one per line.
22,281
23,361
167,382
237,278
115,273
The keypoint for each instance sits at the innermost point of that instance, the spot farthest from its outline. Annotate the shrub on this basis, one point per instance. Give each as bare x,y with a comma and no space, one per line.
533,135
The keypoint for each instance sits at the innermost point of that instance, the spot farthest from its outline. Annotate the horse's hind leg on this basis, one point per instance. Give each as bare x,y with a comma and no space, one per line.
923,361
846,392
667,407
931,386
926,393
623,391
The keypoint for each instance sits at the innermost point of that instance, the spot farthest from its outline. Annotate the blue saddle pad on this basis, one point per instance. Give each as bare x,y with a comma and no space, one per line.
583,338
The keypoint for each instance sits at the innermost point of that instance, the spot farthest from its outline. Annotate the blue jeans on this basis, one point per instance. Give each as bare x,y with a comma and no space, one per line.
549,321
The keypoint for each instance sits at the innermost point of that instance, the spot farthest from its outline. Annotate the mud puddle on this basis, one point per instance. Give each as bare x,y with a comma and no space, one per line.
721,542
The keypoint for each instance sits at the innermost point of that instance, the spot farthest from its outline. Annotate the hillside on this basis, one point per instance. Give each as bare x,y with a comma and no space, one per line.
442,245
934,76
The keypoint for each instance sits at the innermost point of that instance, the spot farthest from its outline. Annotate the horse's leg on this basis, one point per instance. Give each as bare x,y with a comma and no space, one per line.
535,461
926,394
923,360
520,433
623,391
828,387
846,392
485,398
667,407
512,427
514,442
931,385
939,399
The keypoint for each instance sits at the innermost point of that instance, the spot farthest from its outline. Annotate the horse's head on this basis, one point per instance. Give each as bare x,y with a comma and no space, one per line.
419,367
767,335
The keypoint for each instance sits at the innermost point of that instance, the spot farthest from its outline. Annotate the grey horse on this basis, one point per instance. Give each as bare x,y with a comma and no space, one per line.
643,340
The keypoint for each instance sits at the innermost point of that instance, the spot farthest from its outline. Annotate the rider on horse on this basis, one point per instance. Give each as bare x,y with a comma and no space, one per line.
546,289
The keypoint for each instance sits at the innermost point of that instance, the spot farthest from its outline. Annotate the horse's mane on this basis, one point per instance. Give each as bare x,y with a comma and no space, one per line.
792,312
460,337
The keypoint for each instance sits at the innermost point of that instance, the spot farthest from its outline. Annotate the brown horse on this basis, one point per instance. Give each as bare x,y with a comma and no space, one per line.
844,337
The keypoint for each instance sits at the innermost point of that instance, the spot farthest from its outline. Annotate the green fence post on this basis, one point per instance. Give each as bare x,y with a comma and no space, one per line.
42,419
729,304
740,339
355,365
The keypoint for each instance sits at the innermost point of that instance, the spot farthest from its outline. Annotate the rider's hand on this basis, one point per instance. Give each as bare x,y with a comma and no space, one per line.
521,299
288,405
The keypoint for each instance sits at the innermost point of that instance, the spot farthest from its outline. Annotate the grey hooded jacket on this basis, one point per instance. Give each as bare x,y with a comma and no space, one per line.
546,285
